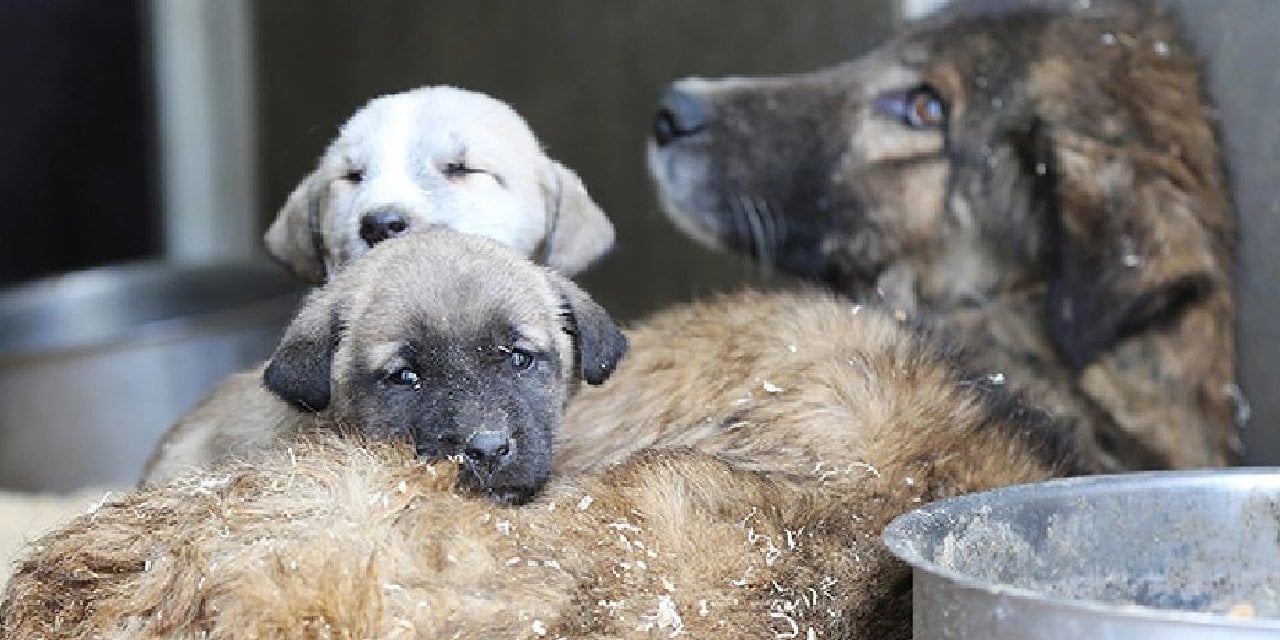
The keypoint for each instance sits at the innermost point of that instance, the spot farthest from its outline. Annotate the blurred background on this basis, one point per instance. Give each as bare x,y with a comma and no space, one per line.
145,145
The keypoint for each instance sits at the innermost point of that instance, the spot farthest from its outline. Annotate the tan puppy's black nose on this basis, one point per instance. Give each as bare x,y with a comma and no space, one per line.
381,225
487,451
680,114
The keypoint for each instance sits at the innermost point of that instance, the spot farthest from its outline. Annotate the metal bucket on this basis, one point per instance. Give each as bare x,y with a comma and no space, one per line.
1165,555
95,365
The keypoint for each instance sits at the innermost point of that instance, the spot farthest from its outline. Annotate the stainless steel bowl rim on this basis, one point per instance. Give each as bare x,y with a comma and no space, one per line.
142,300
898,535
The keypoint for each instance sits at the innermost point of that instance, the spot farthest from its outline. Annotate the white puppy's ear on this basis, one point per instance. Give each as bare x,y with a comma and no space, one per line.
578,231
295,238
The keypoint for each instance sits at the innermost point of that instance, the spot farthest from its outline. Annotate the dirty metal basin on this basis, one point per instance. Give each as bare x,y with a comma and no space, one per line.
1167,555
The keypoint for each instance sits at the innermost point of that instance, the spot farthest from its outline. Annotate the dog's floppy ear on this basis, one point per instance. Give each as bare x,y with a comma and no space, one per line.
599,342
294,238
1128,244
299,370
578,231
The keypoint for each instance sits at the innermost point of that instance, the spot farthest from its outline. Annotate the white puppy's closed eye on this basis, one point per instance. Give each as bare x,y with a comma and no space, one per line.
437,156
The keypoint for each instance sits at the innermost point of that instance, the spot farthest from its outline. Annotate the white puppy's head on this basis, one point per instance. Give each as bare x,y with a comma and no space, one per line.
437,156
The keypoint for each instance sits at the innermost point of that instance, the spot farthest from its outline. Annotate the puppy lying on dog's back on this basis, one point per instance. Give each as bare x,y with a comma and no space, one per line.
448,340
437,156
753,511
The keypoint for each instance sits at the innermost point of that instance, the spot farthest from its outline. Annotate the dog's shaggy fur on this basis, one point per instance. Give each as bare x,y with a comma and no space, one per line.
449,340
1046,187
437,156
753,515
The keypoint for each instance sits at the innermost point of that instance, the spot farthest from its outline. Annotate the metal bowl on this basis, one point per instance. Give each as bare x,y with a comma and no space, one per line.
96,364
1167,555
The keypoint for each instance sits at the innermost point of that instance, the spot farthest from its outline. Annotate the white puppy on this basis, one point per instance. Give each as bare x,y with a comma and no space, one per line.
437,156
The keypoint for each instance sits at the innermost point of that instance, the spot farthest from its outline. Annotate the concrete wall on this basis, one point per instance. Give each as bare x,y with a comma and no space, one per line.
585,75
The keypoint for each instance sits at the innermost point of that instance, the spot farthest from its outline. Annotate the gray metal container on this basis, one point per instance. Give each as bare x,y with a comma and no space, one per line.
1164,555
95,365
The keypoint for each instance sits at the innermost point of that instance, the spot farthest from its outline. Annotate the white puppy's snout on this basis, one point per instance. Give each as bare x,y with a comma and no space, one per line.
382,224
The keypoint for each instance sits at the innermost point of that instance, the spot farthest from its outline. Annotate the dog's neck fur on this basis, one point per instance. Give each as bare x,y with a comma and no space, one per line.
1003,330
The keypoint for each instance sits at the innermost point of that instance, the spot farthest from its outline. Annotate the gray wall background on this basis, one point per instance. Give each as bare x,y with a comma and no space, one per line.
1238,40
586,74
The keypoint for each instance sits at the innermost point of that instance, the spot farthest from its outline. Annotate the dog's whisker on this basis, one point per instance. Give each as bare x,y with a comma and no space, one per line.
739,221
756,228
780,223
773,233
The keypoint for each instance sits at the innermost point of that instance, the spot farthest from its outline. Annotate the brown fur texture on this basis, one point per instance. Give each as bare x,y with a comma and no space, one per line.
753,510
1046,187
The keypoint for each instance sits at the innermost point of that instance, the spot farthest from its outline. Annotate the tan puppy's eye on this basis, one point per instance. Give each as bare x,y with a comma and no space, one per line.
405,377
354,176
520,359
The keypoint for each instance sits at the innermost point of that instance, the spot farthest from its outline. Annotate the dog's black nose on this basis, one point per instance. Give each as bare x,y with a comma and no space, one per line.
486,451
381,225
680,114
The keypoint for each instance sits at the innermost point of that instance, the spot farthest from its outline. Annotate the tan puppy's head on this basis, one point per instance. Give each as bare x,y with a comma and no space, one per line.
437,156
454,342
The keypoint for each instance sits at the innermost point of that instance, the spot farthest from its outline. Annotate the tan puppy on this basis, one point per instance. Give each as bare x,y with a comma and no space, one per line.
448,340
437,156
784,434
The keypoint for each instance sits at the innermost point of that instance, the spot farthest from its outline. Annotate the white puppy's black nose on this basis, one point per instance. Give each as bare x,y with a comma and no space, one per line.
382,224
487,451
680,114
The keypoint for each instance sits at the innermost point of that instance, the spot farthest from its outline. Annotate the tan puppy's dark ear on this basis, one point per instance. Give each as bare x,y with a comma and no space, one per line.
599,342
578,232
1133,240
299,370
295,238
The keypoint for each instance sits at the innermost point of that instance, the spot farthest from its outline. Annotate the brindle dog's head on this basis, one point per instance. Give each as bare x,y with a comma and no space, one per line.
978,155
456,343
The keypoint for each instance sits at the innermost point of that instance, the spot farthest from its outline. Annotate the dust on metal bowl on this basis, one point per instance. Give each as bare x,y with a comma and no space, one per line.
95,365
1161,555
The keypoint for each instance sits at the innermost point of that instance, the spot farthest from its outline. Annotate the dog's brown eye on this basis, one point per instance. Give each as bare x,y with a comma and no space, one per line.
405,377
354,176
919,108
924,109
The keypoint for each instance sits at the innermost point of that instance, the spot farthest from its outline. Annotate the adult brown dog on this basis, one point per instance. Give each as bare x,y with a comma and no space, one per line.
1046,188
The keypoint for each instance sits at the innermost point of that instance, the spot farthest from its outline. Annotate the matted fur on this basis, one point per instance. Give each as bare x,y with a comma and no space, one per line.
756,515
1062,209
